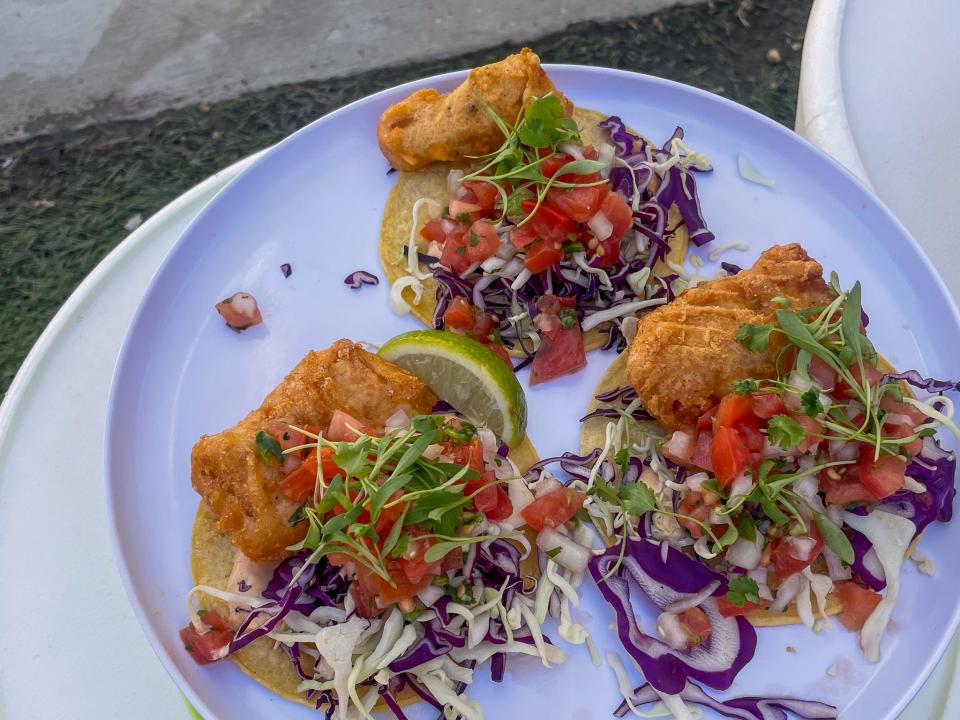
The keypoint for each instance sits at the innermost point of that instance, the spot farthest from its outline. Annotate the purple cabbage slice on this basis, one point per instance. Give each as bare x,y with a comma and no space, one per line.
732,641
731,268
918,381
286,269
743,708
678,186
359,278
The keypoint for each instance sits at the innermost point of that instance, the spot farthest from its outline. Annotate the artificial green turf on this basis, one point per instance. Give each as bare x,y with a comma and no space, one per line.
64,199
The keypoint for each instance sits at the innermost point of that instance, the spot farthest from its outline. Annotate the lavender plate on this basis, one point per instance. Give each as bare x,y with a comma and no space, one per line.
315,201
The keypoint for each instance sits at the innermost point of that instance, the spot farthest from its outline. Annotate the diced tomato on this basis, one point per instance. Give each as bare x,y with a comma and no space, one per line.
400,590
467,454
590,152
578,203
364,589
728,609
553,509
454,255
705,422
845,490
561,350
465,212
607,253
389,515
501,352
482,241
733,410
812,428
873,376
883,476
549,224
413,563
485,193
299,484
766,405
433,232
522,236
344,428
206,647
889,405
823,374
618,212
550,165
784,555
728,455
491,498
904,431
458,315
692,506
696,624
858,604
542,254
702,457
752,437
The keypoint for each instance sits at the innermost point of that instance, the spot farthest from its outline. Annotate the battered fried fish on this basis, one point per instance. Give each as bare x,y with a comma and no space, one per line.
428,126
242,488
685,354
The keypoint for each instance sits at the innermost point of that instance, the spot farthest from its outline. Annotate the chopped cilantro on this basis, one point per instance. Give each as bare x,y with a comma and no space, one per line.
755,337
267,447
461,250
810,403
474,240
463,217
745,387
785,432
637,499
568,318
743,590
554,552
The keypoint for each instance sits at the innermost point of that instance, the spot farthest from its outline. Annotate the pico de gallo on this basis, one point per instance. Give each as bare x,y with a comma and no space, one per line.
811,484
547,228
409,572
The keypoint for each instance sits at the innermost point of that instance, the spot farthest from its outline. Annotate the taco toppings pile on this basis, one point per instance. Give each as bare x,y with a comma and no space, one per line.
542,240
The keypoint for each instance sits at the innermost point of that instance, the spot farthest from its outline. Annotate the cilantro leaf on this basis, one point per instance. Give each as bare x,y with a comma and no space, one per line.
810,403
745,387
543,123
755,337
552,553
637,499
268,448
743,590
785,432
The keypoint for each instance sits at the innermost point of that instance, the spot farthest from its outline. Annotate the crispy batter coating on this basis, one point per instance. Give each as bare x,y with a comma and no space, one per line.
428,126
243,490
685,354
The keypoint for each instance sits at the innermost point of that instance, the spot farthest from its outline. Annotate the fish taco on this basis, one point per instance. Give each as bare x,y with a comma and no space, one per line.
775,445
534,226
356,546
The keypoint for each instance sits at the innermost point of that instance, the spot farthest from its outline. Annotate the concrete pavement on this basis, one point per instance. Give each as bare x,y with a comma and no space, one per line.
68,63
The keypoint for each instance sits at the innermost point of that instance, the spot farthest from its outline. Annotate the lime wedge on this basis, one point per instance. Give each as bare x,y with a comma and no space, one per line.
465,374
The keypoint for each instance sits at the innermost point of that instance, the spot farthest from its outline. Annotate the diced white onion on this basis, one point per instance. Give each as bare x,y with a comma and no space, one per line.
571,149
787,592
572,555
400,419
600,225
744,553
843,450
546,484
455,189
606,155
521,279
801,547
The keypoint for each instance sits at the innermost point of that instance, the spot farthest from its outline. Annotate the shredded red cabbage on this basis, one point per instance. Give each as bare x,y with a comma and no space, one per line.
918,381
730,645
286,269
359,278
744,708
730,268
